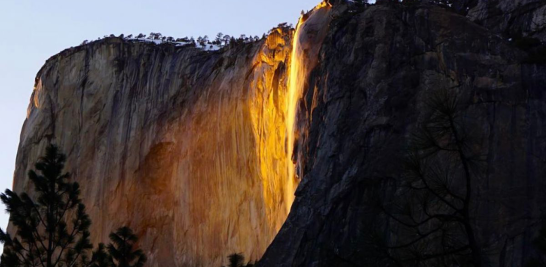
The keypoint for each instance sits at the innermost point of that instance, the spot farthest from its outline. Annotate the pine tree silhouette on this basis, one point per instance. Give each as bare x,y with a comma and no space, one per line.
52,228
236,260
434,207
101,258
121,249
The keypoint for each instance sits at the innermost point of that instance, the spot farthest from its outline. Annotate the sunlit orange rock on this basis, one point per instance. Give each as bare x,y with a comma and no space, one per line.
185,146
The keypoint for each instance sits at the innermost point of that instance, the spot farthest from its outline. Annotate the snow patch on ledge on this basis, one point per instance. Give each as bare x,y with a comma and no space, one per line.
207,47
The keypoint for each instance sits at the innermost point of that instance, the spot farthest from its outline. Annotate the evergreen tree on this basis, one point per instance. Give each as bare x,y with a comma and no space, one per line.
52,228
434,207
121,249
236,260
101,258
219,38
226,39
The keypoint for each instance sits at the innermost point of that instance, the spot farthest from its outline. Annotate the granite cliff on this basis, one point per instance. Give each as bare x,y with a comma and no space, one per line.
185,146
376,69
201,151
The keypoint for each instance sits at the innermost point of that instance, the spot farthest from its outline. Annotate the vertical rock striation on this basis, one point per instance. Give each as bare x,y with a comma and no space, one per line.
187,147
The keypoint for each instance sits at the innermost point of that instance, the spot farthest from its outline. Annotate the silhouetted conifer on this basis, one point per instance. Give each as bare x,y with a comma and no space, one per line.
101,258
236,260
434,208
51,227
122,250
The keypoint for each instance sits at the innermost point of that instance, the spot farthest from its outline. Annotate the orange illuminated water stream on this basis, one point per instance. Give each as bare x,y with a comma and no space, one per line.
295,84
302,60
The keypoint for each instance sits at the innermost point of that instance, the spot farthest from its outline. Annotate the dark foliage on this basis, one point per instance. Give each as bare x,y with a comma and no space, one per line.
52,228
238,260
204,42
101,258
122,249
432,212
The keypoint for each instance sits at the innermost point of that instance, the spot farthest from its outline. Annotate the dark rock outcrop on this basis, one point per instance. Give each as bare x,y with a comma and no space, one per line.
376,70
513,18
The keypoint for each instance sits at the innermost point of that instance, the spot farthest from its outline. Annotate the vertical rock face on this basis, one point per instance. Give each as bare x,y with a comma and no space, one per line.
187,147
377,66
190,148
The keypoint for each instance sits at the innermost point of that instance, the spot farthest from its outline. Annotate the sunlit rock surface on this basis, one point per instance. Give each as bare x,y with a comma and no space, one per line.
186,147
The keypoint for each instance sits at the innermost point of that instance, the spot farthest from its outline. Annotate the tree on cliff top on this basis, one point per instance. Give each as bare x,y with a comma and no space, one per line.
52,228
122,249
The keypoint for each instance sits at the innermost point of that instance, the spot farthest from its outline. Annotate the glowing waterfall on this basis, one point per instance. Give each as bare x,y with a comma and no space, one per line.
302,60
295,84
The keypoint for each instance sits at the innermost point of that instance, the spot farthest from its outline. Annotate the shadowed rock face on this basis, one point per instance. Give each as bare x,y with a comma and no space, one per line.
184,146
377,67
189,147
514,17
